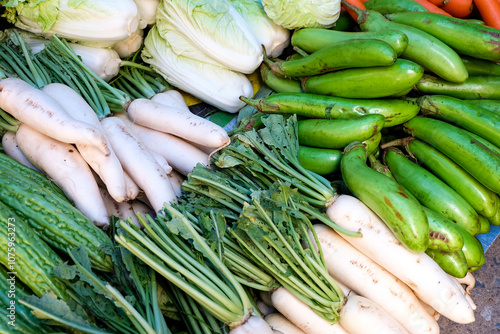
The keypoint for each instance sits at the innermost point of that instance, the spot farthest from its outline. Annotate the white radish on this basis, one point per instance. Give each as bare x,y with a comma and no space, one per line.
469,281
360,315
44,114
347,265
107,167
66,167
422,274
10,147
123,210
139,163
207,150
160,159
131,188
176,180
465,293
281,325
301,315
178,122
143,209
264,309
435,314
181,155
171,98
252,325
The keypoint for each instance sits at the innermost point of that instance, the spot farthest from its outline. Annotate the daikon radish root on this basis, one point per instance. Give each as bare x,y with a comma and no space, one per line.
131,188
422,274
360,315
172,98
143,209
107,167
281,325
465,293
123,210
62,163
181,155
469,281
160,159
177,121
264,308
347,265
176,180
139,163
252,325
10,147
435,314
301,315
43,113
207,150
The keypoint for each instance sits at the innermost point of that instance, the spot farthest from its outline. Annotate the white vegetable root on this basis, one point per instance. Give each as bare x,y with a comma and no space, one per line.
469,281
171,98
11,148
131,188
301,315
357,271
176,180
181,155
123,210
143,209
107,167
252,325
178,122
66,167
360,315
139,163
44,114
422,274
281,325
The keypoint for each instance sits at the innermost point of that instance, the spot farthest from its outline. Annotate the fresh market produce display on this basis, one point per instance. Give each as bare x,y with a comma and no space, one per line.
338,183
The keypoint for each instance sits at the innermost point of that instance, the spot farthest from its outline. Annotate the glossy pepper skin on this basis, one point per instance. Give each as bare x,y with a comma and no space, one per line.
395,205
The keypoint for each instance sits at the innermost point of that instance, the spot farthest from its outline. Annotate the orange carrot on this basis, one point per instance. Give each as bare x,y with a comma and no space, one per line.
490,12
432,7
459,8
356,3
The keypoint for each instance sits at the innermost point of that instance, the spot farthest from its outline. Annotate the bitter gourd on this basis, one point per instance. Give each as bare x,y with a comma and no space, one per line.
52,217
28,256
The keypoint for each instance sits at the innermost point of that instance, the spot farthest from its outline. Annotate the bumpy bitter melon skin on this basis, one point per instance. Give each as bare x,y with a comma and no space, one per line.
18,170
53,217
27,255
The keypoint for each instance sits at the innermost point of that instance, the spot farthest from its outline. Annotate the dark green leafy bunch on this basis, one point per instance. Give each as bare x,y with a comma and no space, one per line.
126,301
270,154
58,63
256,160
138,79
173,245
276,235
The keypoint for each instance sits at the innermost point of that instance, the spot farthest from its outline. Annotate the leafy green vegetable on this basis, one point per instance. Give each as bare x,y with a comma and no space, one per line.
172,245
303,13
127,303
91,21
273,232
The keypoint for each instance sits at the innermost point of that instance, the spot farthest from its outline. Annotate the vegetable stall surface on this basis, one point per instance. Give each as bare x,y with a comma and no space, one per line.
245,209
